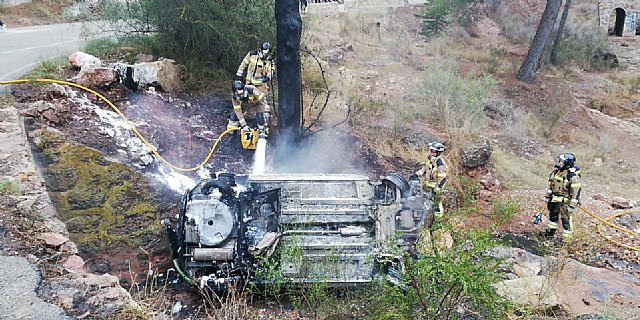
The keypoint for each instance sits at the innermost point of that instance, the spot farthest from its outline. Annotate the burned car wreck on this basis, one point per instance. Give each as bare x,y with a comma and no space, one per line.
335,229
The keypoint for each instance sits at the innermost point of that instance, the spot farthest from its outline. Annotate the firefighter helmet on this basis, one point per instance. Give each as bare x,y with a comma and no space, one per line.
568,159
237,86
436,146
266,46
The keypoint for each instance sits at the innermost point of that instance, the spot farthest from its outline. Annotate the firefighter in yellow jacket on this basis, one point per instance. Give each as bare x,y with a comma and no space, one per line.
563,195
435,171
258,66
249,96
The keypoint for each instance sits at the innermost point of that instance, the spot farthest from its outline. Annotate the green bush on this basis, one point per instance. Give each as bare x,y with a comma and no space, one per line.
581,42
503,212
10,187
439,14
442,281
216,31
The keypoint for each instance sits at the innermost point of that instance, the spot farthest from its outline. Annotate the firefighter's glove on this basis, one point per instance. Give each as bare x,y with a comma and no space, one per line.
570,210
267,116
238,77
573,203
413,177
547,197
246,128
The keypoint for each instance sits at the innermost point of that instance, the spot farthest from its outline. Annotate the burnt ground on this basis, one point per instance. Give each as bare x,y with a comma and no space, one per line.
183,128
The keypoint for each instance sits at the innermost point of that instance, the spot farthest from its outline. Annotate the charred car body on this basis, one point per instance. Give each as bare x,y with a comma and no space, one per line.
336,229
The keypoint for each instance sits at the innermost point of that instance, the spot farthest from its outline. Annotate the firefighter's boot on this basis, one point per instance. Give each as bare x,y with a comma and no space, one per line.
551,229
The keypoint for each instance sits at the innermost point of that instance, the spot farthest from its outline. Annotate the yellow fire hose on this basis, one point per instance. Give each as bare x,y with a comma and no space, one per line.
608,223
133,128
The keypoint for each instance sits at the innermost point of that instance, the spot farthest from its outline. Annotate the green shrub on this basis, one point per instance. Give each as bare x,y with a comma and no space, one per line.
503,212
10,187
444,280
439,14
215,31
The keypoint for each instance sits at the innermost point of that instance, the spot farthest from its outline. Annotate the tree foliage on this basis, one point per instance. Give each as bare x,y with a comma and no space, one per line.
439,14
217,33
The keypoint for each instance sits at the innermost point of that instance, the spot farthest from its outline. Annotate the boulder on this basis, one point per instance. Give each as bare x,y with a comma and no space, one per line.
476,155
164,73
96,75
103,301
533,291
620,203
565,284
80,59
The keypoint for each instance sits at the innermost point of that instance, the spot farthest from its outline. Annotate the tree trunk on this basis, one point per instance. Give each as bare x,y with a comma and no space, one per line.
527,72
289,31
559,35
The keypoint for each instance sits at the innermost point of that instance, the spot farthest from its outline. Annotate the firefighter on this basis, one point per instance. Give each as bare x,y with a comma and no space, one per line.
435,170
563,195
250,96
258,66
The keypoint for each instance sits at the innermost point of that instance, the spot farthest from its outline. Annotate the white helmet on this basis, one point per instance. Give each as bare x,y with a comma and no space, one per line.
436,146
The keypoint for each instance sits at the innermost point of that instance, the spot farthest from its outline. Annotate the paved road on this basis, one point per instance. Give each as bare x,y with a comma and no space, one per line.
23,48
18,300
20,50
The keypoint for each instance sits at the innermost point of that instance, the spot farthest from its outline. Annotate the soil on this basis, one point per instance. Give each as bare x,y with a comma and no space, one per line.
34,13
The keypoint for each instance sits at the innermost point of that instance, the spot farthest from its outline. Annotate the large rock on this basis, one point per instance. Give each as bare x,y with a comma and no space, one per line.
476,155
95,75
103,301
560,282
620,203
534,291
164,73
80,59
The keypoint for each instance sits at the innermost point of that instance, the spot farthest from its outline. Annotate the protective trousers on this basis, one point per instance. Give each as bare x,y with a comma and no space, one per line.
437,202
558,211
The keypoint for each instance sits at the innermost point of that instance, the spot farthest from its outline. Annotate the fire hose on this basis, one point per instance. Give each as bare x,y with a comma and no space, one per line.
131,126
606,221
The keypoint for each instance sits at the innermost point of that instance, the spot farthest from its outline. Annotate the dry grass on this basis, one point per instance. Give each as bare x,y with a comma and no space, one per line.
520,173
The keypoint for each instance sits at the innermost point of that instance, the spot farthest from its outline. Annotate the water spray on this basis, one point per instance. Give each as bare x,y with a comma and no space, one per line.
260,156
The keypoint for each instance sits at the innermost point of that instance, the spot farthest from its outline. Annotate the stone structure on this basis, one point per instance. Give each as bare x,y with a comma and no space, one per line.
619,17
327,6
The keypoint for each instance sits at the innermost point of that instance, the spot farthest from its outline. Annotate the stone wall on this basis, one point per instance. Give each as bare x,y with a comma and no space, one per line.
630,7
